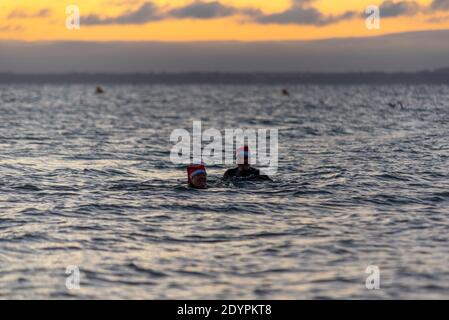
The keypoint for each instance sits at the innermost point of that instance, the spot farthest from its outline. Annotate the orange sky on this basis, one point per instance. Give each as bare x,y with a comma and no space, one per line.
24,26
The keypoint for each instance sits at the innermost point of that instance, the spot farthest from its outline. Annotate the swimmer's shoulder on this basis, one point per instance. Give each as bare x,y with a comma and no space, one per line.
251,174
256,175
254,171
230,173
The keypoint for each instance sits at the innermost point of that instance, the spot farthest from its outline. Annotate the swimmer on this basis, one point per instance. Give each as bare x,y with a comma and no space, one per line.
244,169
99,90
394,105
197,176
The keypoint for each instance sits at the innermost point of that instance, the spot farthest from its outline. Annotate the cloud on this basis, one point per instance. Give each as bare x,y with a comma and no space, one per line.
203,10
11,28
301,13
20,14
439,5
301,2
303,16
390,9
145,13
149,12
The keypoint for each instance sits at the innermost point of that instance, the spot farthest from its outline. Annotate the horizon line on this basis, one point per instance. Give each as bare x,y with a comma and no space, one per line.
438,77
211,72
230,41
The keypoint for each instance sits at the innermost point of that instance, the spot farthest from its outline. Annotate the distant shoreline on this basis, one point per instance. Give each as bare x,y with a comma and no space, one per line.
423,77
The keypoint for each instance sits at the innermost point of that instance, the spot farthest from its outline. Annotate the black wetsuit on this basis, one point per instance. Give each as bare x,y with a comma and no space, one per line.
250,174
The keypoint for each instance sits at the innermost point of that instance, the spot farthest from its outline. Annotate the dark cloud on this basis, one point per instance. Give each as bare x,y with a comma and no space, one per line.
20,14
145,13
439,5
301,2
390,9
203,10
294,15
301,13
303,16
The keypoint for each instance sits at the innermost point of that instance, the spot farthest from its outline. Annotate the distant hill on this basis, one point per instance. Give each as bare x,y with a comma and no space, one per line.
401,52
443,70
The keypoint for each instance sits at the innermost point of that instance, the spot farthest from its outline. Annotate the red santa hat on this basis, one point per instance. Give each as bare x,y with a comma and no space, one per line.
194,170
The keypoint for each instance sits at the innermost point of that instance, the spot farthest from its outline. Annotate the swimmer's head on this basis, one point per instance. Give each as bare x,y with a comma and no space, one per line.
243,156
197,176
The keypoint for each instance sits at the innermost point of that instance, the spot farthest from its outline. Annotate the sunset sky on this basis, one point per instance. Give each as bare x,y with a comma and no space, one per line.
190,20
